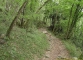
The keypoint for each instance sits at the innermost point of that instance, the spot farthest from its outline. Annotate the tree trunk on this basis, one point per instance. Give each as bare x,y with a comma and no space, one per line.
69,21
12,24
42,6
74,20
22,20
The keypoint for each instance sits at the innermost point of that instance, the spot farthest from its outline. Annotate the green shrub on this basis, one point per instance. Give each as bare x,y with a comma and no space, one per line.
73,49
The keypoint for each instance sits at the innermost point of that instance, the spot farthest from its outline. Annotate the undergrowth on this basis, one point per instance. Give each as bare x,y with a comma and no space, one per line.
72,48
24,45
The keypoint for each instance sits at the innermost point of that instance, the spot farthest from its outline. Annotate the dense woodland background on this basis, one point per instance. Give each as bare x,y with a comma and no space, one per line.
21,19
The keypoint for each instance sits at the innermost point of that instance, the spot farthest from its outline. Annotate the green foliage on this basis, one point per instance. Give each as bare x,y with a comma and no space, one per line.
78,35
27,42
74,51
24,45
64,7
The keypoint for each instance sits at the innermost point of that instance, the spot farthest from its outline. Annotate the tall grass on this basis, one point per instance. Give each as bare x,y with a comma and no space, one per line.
24,45
72,48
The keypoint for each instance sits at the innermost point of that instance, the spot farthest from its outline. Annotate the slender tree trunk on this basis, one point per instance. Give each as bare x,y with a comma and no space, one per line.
12,24
22,20
69,21
74,20
42,6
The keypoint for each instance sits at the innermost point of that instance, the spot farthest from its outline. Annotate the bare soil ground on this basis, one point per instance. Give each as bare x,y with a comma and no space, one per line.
56,50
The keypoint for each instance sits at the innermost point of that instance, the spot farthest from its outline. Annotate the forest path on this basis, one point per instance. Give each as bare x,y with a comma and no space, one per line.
56,50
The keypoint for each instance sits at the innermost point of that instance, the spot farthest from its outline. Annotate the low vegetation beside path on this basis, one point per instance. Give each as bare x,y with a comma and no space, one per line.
23,45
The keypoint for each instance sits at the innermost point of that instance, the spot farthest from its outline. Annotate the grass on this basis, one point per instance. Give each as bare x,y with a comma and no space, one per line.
24,45
73,49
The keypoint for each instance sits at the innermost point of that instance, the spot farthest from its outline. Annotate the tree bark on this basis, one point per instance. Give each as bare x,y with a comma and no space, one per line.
14,20
69,21
22,20
42,6
74,20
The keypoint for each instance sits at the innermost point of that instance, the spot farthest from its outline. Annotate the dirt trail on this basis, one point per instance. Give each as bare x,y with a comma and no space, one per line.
57,48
